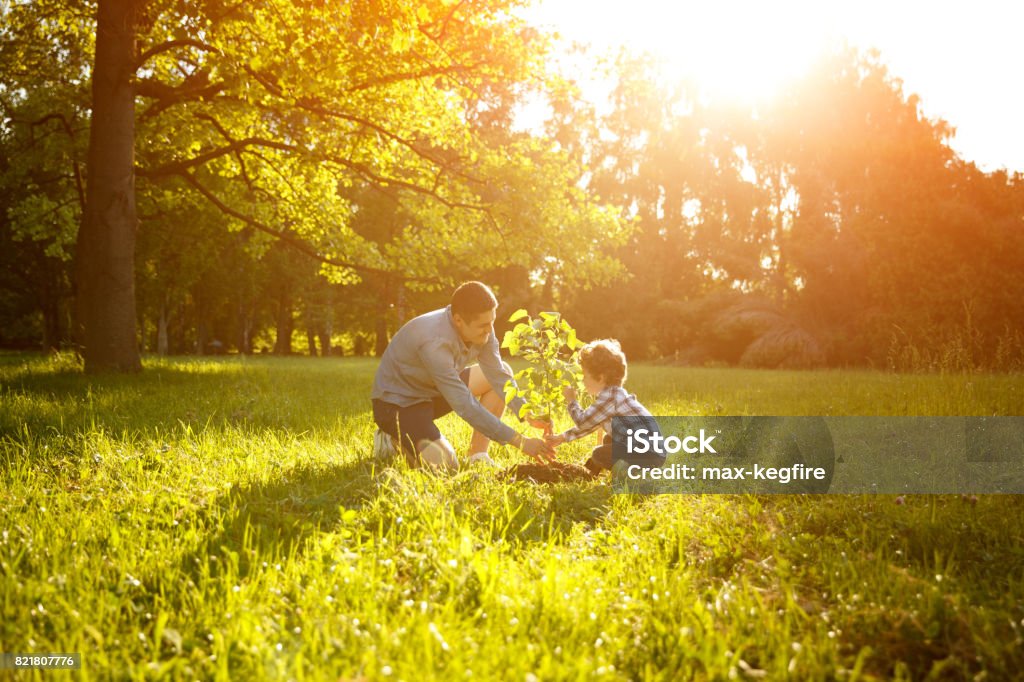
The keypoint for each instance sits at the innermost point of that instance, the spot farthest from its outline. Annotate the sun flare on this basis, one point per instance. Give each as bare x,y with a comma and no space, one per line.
741,50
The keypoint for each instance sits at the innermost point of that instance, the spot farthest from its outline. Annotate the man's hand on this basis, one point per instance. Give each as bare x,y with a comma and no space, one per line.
569,393
538,449
541,424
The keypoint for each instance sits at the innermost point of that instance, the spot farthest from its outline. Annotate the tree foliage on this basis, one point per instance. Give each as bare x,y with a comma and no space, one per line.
825,227
276,113
337,166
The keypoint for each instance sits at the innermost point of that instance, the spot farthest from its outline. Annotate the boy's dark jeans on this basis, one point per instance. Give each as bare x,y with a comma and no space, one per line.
601,458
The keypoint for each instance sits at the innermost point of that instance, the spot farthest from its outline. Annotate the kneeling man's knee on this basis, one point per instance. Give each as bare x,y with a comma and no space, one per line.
438,455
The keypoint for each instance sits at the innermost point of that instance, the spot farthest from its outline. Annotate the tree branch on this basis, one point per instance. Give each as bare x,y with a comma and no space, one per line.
227,136
196,86
173,45
179,167
444,26
390,78
289,239
315,105
55,116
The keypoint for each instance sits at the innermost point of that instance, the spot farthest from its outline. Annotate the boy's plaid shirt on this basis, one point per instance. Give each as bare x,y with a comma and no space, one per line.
613,401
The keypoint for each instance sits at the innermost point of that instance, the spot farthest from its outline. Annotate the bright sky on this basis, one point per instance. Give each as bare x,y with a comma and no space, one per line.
965,59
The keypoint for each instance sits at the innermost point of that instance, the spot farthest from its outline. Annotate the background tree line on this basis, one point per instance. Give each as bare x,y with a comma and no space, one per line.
833,226
305,178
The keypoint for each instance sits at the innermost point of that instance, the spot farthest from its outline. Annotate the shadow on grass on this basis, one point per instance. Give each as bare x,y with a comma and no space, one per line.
524,513
304,512
277,517
271,521
282,394
564,507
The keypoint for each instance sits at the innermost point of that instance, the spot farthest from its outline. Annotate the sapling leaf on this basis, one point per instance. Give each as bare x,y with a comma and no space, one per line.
549,345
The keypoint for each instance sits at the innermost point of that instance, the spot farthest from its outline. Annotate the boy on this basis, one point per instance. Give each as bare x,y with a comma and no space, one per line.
604,371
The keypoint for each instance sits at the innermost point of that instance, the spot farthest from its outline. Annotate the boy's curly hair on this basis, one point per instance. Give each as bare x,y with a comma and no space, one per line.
604,359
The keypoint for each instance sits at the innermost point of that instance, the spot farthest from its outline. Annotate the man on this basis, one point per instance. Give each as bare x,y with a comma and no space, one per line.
423,375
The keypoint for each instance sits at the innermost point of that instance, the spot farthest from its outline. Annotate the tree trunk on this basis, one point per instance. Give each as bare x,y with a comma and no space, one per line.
400,306
202,332
325,337
105,252
383,308
326,326
51,327
162,345
285,324
381,344
547,295
177,331
49,298
245,325
140,324
311,341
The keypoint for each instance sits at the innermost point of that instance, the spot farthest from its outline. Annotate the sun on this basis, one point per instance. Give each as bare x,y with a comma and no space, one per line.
739,50
735,50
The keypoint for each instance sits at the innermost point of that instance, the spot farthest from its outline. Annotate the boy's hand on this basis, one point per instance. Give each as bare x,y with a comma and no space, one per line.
538,449
569,393
553,440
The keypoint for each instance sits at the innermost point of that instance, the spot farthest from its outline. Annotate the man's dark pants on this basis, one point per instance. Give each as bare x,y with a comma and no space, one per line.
413,424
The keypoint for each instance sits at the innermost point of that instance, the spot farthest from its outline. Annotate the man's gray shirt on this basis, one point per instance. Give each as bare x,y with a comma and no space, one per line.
423,362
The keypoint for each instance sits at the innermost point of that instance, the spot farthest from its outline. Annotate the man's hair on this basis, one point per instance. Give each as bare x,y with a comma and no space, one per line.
604,359
471,299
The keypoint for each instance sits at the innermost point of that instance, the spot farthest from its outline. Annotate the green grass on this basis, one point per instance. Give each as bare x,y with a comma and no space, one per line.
219,519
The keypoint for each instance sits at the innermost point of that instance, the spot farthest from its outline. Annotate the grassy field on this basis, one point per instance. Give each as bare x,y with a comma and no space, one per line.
220,519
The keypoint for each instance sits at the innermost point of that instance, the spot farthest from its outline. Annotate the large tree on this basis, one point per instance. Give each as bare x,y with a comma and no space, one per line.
105,257
269,110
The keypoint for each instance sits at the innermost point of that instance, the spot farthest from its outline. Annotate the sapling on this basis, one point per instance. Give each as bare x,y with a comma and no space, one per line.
549,344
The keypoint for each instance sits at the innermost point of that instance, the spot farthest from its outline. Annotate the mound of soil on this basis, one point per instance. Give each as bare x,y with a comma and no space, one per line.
555,472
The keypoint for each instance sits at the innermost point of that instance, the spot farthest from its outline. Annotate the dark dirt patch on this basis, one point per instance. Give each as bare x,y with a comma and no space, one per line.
555,472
